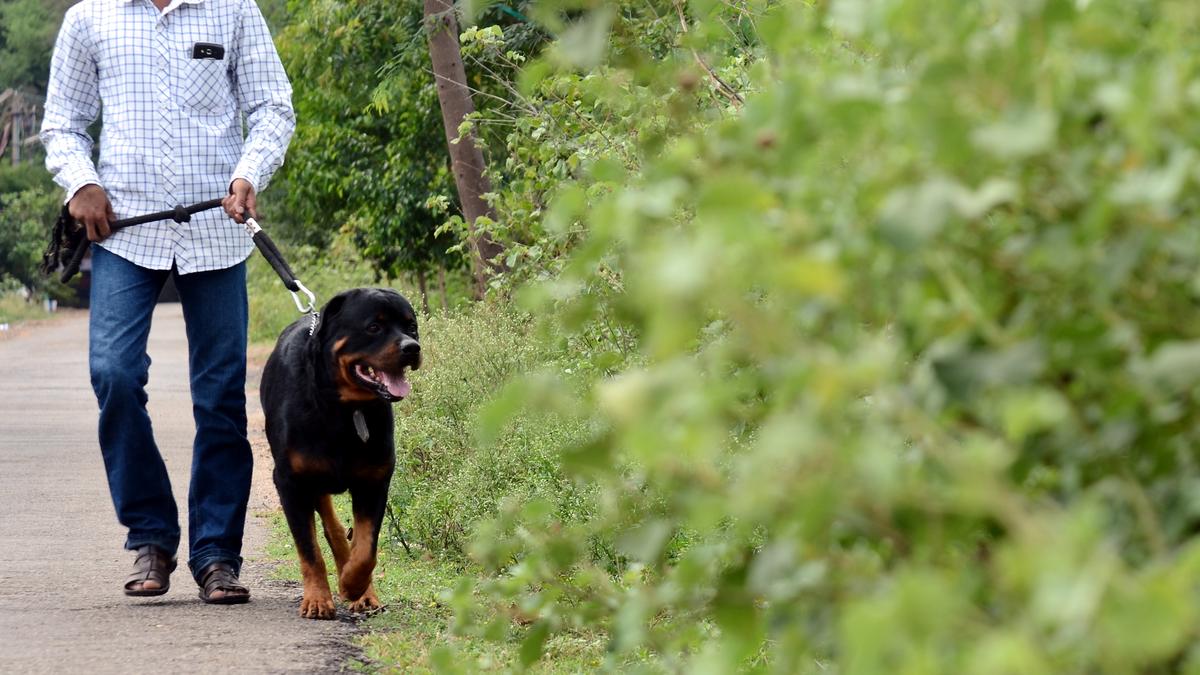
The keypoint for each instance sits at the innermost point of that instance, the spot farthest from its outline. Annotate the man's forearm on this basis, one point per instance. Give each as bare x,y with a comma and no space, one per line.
69,159
270,131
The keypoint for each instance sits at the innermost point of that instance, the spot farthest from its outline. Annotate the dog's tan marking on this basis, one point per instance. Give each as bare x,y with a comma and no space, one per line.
347,385
317,602
372,474
335,533
355,578
302,463
337,346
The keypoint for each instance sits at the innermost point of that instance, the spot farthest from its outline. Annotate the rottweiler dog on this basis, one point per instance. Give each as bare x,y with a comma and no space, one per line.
327,398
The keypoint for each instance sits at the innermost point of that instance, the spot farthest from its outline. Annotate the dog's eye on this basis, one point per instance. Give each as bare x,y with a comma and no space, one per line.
374,329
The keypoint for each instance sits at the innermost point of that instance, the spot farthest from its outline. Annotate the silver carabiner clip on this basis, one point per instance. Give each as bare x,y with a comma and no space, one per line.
312,299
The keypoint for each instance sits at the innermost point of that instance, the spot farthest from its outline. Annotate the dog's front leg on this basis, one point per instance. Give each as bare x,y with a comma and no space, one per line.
318,600
335,533
370,503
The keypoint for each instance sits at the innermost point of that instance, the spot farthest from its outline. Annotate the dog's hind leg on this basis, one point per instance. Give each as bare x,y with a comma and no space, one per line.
318,600
335,534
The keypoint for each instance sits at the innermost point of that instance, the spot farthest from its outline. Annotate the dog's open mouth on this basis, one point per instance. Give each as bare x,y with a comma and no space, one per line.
389,386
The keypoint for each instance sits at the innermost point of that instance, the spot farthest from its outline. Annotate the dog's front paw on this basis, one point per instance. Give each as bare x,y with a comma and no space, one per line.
317,605
369,602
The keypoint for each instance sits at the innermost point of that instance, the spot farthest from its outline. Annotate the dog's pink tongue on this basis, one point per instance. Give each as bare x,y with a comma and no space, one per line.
396,384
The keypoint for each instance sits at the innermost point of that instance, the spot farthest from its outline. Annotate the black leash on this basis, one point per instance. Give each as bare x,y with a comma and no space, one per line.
279,264
69,244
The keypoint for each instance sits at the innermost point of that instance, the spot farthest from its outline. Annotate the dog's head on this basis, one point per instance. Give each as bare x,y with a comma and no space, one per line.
369,338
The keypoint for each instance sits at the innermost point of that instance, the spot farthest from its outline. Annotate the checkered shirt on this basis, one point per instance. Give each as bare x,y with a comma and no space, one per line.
173,124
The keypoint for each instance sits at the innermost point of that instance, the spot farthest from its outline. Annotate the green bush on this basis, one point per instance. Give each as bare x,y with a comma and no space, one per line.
26,218
448,480
913,382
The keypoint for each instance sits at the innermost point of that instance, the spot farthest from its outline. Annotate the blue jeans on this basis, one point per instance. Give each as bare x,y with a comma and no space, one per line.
216,314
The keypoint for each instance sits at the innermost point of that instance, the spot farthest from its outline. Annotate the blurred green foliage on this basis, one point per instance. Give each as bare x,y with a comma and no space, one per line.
27,32
351,167
891,369
27,205
26,216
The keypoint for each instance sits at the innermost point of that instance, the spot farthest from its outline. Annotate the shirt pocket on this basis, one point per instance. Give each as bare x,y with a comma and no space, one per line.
204,86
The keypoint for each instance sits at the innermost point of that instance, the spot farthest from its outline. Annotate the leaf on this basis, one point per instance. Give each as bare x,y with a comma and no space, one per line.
646,542
583,44
913,214
1020,135
1174,365
534,642
443,659
1159,186
1148,617
850,16
1026,412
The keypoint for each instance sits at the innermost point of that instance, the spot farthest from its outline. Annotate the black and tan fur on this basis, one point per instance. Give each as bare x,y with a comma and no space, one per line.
311,388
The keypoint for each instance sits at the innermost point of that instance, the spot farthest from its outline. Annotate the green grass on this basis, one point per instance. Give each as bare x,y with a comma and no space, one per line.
14,308
414,634
448,479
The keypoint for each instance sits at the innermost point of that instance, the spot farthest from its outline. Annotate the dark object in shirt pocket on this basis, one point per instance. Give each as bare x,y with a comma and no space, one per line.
208,50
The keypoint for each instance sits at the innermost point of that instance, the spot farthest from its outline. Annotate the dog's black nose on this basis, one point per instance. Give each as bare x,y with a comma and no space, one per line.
410,346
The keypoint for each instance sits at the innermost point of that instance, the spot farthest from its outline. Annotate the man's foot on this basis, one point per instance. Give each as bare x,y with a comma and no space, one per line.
151,572
219,585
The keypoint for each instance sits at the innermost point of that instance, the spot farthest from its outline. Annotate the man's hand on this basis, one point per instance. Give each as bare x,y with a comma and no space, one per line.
90,207
241,201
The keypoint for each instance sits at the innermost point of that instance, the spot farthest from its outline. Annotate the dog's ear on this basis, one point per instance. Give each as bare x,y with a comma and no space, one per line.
330,310
406,307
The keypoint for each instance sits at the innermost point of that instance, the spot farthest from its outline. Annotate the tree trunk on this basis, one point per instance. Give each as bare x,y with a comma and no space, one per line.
466,159
424,291
442,283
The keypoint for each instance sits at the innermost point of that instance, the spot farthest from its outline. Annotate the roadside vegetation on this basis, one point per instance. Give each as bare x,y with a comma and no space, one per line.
861,336
830,336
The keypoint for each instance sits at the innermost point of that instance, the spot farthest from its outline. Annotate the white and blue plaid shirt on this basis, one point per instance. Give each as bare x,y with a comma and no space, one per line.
174,86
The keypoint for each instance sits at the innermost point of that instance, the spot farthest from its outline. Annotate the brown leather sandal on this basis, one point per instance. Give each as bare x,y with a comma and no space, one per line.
152,564
220,576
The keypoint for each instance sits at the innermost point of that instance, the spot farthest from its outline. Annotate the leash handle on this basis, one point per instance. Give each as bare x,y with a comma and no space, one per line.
180,214
79,240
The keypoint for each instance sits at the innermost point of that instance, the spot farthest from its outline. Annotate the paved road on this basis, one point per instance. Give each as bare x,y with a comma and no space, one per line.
61,560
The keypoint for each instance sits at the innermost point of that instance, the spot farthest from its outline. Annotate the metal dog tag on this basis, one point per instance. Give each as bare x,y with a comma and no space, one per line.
360,425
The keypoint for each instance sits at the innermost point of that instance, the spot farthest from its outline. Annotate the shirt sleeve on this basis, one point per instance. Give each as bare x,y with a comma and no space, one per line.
265,95
72,104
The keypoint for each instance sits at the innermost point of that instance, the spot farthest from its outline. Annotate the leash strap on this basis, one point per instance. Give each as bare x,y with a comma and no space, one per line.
271,252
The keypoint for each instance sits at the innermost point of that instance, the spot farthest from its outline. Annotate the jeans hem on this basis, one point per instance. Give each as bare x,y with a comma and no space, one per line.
168,544
199,562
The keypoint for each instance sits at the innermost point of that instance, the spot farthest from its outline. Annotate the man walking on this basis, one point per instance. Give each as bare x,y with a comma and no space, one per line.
174,79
